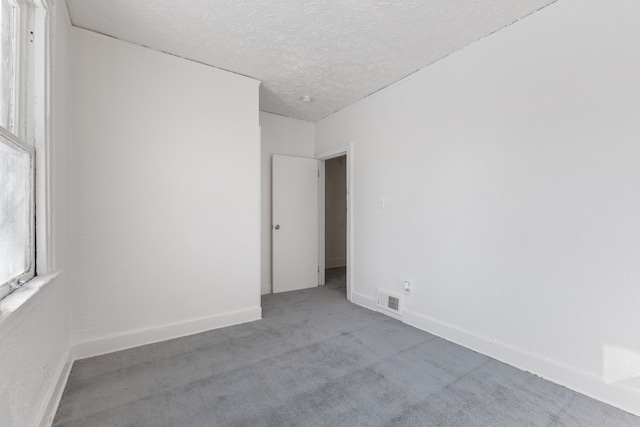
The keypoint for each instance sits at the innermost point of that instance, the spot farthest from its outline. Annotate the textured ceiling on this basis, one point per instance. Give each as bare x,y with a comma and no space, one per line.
336,51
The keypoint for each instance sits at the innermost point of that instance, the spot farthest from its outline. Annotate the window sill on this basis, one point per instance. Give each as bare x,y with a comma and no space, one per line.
19,303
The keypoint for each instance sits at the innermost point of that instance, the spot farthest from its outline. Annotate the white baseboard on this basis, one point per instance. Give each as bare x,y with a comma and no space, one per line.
582,382
46,418
134,339
113,343
363,300
335,262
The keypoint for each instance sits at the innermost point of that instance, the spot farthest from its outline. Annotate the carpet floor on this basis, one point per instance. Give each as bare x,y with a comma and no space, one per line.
314,360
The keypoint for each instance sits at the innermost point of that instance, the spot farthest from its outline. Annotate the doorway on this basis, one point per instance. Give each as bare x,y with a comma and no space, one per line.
335,223
326,263
298,221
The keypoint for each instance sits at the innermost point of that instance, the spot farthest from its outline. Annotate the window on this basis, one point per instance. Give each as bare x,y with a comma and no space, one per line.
8,47
19,119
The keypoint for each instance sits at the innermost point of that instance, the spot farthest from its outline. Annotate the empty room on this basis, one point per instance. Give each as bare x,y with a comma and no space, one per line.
310,213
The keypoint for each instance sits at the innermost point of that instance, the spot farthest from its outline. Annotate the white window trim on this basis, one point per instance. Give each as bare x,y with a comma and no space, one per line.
19,135
38,137
42,137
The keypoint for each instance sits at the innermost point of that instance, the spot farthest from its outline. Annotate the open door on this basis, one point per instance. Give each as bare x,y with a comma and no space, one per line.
295,223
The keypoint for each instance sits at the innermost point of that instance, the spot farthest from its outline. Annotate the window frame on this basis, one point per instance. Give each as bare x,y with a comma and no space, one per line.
31,132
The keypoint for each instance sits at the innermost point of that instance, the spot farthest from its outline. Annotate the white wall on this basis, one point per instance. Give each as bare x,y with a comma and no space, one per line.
335,212
167,196
280,135
512,172
35,339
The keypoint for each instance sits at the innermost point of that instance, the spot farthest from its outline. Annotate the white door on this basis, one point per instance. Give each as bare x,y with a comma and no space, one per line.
295,223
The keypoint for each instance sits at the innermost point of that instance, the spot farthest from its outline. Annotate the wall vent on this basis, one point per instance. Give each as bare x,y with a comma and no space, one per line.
390,301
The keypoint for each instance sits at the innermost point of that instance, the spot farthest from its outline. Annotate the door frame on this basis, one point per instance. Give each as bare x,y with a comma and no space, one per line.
321,156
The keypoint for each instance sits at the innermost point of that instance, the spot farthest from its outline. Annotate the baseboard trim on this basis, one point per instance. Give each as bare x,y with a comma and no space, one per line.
55,395
363,300
579,381
113,343
335,262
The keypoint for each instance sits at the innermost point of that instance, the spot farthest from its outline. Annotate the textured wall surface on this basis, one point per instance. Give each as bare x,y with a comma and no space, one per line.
336,51
35,339
511,176
166,190
290,137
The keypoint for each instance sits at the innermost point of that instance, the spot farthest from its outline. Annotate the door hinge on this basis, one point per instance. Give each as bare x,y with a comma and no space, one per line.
318,269
318,173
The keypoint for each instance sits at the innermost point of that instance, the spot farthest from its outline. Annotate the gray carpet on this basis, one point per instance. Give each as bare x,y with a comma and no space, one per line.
336,279
314,360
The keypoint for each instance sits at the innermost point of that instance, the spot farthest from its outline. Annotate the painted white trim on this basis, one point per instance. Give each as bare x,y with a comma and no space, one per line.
363,300
55,394
259,164
32,130
47,4
43,135
135,339
580,381
326,154
322,265
335,262
372,304
335,151
16,307
119,342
